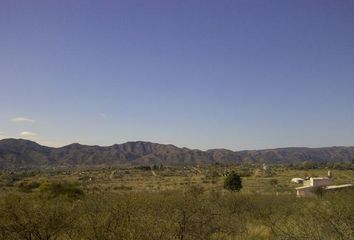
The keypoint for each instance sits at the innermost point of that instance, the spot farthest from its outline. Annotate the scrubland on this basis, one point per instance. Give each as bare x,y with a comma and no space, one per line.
185,202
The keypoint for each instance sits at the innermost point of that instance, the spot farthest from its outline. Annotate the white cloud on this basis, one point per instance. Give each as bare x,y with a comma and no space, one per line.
27,134
22,120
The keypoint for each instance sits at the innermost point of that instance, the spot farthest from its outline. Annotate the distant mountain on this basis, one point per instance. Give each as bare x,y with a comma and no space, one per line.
19,153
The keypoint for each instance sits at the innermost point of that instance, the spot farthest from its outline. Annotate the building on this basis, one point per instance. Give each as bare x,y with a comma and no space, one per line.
310,186
305,191
319,182
336,187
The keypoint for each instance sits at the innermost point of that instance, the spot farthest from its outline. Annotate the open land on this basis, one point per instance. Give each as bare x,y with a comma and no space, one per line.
171,202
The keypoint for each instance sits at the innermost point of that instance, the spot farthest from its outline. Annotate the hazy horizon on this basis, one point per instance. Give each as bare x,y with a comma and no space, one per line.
239,75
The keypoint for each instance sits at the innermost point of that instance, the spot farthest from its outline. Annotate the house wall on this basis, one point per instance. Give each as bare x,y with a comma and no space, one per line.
306,192
307,183
321,182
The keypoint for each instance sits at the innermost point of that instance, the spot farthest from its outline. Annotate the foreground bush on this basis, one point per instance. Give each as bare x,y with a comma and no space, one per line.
35,218
191,215
313,219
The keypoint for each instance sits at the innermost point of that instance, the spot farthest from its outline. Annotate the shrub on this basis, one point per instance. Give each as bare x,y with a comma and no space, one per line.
28,186
70,189
233,182
29,217
273,182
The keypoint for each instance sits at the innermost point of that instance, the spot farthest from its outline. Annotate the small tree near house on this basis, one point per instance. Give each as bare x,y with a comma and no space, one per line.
233,182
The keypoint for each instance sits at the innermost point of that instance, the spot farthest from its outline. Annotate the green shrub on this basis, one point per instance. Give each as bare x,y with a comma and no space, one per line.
54,189
233,182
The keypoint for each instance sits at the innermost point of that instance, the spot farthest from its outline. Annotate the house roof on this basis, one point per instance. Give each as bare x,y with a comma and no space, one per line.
319,178
339,186
304,187
328,187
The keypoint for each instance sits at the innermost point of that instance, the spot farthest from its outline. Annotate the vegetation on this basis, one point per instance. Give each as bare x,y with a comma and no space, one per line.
28,186
182,203
233,182
54,189
176,215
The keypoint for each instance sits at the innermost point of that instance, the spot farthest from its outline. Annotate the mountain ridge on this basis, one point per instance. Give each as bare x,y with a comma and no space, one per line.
21,153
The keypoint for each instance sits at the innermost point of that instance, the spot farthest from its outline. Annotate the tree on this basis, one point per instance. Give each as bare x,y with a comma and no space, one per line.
233,182
309,165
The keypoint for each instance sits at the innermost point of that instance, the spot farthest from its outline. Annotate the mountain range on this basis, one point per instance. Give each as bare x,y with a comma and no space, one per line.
20,153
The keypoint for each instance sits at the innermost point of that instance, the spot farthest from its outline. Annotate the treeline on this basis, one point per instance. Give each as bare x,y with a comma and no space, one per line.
176,215
320,165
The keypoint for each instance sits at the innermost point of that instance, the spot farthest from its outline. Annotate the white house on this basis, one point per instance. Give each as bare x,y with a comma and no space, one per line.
326,183
311,184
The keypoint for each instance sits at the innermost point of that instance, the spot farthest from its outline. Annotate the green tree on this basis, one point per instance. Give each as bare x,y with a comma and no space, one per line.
309,165
233,182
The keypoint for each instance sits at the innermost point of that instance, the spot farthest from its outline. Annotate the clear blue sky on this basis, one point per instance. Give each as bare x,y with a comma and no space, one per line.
237,74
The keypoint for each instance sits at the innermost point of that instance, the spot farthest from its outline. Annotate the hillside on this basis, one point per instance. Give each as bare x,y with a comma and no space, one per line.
18,153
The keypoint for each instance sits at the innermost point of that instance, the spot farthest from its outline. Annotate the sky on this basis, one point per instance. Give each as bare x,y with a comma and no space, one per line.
200,74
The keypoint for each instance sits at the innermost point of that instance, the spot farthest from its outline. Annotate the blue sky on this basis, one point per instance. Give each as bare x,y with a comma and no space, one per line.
200,74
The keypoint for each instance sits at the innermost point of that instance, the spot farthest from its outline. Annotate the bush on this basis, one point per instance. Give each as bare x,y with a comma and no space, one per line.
54,189
28,186
233,182
273,182
171,215
29,217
